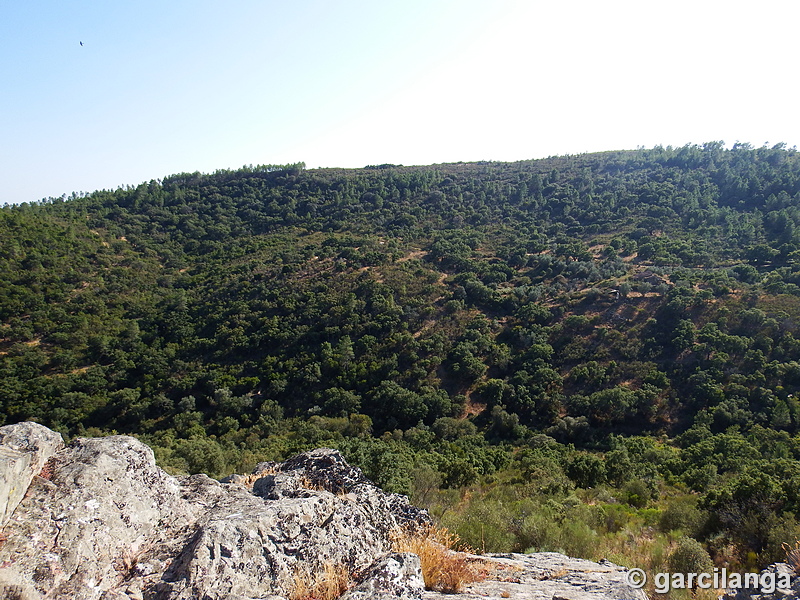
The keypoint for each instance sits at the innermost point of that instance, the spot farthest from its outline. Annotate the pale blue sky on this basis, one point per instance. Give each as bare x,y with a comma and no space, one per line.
171,86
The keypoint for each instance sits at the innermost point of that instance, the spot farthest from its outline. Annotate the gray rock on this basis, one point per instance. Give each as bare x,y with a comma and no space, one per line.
326,469
106,511
25,448
396,577
773,573
316,511
108,524
546,576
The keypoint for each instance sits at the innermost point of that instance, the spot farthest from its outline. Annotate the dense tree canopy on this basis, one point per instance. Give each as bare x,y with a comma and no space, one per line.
568,316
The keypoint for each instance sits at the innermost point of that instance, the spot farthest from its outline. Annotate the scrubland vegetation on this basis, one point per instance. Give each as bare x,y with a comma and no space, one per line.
597,354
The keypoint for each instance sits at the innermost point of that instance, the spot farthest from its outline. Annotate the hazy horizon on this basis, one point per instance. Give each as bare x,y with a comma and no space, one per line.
191,86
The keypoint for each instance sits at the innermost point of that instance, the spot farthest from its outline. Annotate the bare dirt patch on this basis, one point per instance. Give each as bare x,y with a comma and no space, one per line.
472,408
412,255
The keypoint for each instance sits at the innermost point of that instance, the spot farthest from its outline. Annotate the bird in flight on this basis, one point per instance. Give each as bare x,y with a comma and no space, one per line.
81,43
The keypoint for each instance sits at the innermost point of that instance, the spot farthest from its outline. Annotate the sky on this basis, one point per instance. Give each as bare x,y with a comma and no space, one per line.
159,88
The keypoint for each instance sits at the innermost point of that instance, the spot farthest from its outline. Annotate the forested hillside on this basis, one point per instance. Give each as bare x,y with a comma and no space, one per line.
590,353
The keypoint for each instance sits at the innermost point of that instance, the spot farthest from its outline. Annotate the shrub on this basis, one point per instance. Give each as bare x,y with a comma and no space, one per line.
636,493
540,532
578,539
484,525
681,515
615,517
690,557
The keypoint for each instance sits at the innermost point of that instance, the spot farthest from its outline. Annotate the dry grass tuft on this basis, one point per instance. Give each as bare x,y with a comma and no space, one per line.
557,574
127,563
792,555
304,481
443,569
249,480
332,582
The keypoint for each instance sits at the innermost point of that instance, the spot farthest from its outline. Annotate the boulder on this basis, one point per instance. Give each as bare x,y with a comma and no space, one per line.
25,449
107,523
105,515
396,577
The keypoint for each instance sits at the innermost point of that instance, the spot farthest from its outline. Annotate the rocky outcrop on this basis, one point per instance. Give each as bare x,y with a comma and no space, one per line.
107,523
312,511
104,516
100,521
546,576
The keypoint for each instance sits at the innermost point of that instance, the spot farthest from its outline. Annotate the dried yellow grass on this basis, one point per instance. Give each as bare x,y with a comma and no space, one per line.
332,582
792,555
443,569
304,481
249,480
